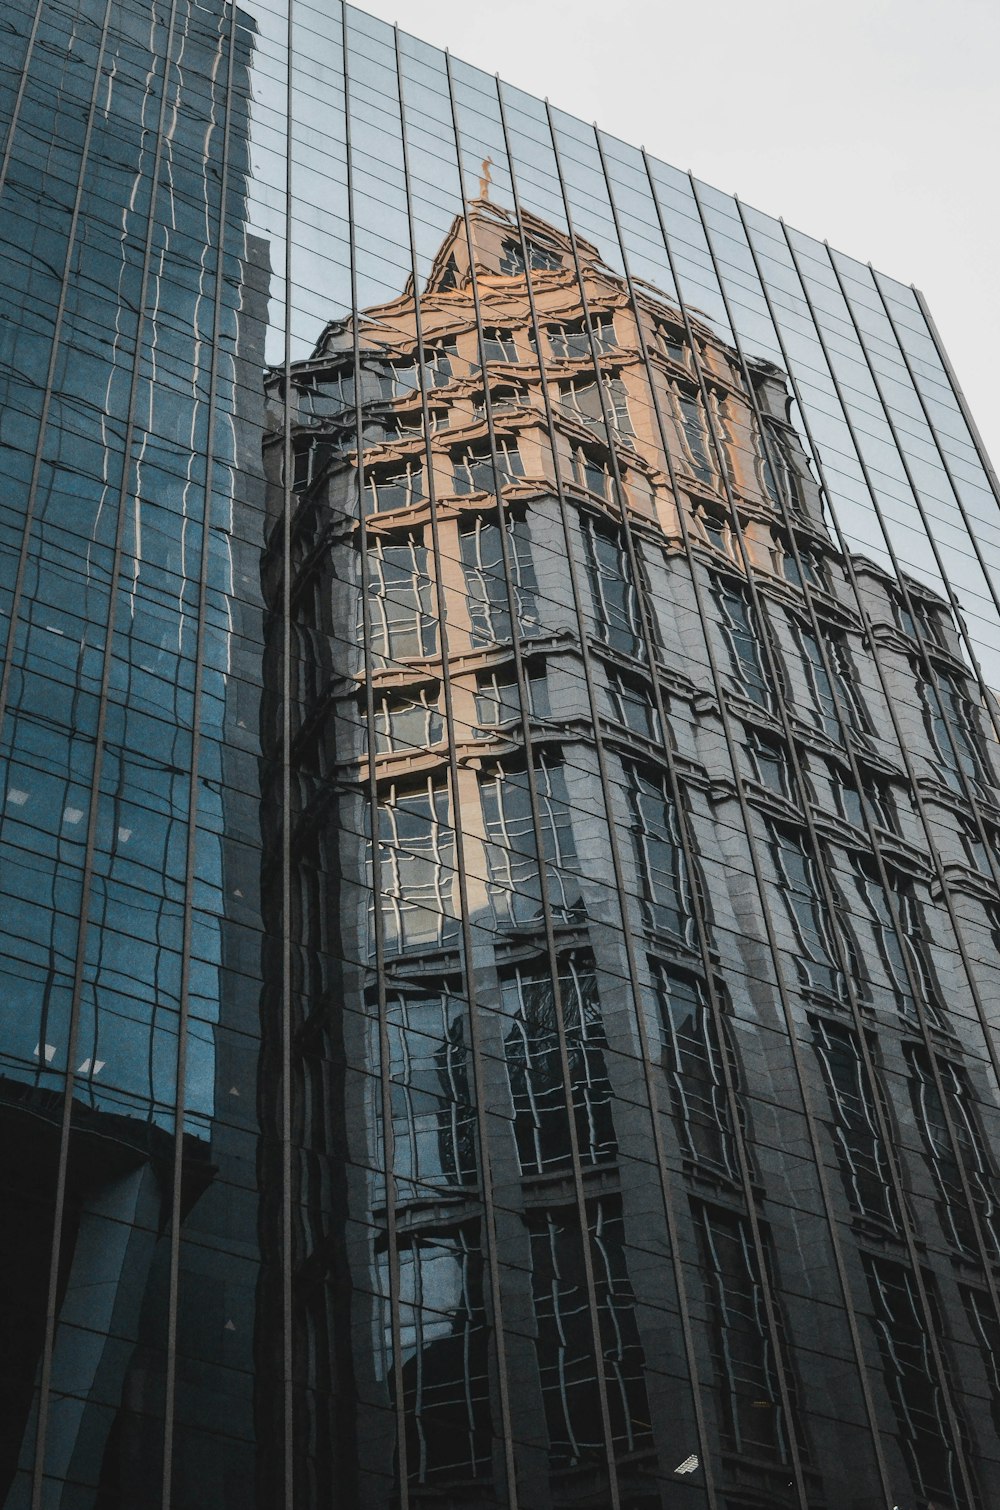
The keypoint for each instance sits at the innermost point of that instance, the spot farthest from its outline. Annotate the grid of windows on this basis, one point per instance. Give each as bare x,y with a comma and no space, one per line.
336,1167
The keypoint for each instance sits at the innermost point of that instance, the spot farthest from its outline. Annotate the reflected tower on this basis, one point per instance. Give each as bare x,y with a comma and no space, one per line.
577,1042
500,818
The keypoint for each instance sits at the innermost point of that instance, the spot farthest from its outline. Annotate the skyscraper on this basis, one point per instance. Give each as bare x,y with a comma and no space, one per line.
502,810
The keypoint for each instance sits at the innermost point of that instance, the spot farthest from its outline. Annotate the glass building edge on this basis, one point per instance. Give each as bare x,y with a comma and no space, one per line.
562,941
985,460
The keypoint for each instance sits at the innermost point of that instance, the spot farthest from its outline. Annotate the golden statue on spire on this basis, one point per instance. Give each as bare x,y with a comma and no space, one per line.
486,179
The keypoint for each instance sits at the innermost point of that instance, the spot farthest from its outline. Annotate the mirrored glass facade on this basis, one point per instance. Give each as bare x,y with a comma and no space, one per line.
500,833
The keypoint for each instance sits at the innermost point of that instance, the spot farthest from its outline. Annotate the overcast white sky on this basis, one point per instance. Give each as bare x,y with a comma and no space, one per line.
874,124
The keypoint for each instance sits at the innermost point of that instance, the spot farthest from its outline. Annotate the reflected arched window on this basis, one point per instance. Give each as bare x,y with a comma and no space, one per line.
534,1065
693,1051
433,1121
444,1356
854,1126
486,582
615,594
747,1370
481,470
498,701
820,679
602,407
569,1356
911,1377
695,435
633,705
397,488
797,887
739,635
953,724
985,1329
417,878
781,479
656,839
512,850
408,725
935,1106
400,599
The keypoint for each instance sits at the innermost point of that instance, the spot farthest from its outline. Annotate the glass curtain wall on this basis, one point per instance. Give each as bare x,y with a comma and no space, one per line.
502,814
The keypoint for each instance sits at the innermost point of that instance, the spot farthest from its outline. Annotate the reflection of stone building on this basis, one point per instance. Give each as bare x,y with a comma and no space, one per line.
527,627
666,988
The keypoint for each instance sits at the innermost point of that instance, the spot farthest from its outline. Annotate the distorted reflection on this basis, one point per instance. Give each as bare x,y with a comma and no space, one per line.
523,729
501,888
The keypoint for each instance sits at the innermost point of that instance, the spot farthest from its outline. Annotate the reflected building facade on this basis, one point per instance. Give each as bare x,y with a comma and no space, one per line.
569,621
531,1040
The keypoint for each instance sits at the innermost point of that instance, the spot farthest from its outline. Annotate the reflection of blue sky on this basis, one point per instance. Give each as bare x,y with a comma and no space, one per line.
431,1295
131,980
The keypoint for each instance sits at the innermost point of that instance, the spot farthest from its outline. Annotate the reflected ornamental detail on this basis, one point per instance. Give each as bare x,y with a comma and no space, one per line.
499,812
